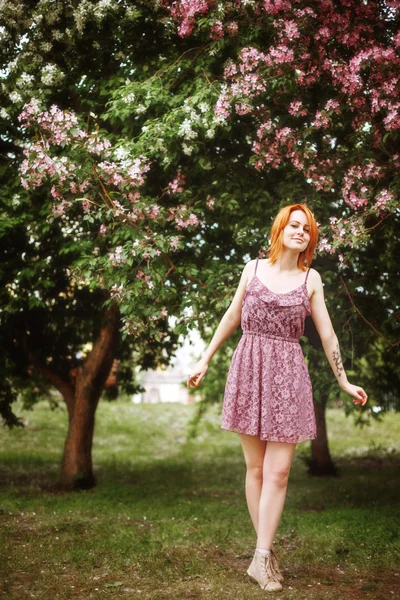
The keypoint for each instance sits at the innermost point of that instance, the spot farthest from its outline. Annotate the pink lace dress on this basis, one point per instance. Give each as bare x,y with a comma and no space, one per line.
268,391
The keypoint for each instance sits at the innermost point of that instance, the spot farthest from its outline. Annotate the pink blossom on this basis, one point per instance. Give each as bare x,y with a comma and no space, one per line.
210,202
333,105
222,107
291,30
174,242
382,199
154,211
217,31
55,193
184,12
242,109
321,120
84,185
343,264
134,197
279,55
250,59
59,209
232,28
323,34
191,221
295,108
275,6
230,70
176,186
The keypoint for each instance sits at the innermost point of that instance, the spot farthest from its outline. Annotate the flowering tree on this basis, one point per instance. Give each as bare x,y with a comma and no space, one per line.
291,74
55,332
171,149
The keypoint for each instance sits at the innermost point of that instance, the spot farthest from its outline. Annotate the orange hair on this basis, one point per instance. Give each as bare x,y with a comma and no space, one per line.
281,220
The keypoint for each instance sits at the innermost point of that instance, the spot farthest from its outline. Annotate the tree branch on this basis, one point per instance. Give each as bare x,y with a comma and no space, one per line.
391,344
66,388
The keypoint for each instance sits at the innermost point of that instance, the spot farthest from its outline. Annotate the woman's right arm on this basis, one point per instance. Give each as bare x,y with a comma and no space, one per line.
229,322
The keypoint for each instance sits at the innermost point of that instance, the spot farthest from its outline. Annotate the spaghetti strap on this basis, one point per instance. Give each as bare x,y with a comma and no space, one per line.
307,275
256,267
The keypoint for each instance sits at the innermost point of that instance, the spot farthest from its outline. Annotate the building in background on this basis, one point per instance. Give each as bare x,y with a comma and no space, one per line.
166,384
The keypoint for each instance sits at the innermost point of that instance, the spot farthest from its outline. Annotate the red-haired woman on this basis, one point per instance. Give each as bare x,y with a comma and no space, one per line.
268,396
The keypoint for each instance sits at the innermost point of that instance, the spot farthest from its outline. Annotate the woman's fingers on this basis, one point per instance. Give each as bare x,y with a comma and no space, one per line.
361,397
197,374
194,380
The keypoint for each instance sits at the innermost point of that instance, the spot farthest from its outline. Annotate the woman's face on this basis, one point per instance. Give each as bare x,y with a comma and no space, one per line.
296,234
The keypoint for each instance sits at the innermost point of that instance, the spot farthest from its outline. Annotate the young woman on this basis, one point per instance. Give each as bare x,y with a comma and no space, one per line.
268,396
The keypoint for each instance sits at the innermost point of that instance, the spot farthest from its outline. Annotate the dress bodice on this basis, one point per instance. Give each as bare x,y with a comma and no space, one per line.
267,313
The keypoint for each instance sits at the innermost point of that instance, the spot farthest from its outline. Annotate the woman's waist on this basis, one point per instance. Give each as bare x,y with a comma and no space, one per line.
271,335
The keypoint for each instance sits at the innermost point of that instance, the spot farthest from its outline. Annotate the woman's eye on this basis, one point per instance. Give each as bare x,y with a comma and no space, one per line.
295,226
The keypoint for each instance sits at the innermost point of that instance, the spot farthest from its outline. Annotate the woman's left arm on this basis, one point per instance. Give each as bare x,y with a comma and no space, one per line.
329,340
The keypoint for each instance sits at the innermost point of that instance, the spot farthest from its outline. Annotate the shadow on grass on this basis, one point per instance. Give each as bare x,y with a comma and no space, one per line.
361,480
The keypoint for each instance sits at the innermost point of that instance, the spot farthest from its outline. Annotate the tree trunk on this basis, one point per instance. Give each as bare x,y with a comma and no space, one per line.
321,462
77,468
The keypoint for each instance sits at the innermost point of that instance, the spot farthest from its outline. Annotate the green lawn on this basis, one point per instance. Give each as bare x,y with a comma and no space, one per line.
168,518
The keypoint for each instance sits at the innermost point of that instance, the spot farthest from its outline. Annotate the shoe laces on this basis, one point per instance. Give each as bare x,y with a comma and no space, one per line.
274,562
266,567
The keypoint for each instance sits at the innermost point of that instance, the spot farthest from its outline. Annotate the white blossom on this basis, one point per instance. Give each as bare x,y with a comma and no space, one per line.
25,80
57,34
187,149
186,130
194,116
121,153
15,97
129,98
51,75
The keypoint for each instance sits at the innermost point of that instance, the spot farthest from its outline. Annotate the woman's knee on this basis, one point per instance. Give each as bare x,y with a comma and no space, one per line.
255,471
277,476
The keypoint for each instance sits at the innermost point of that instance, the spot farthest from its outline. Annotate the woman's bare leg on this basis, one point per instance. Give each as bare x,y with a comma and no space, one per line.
253,450
276,468
268,467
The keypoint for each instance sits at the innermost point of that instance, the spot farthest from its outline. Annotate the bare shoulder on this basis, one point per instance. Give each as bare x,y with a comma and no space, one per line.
315,281
248,270
314,276
251,265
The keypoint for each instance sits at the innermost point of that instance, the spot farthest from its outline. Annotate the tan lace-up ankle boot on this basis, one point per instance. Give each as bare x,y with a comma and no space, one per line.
275,567
262,572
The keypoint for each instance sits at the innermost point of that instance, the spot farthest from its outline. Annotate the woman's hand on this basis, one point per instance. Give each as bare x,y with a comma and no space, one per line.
197,374
360,396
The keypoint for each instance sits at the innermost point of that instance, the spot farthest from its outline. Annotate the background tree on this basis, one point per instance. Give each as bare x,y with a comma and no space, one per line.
55,332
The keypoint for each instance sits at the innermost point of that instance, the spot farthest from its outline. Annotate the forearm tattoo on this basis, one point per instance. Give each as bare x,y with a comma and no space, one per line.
337,359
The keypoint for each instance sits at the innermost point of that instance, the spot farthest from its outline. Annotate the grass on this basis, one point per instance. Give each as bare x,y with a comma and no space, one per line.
168,518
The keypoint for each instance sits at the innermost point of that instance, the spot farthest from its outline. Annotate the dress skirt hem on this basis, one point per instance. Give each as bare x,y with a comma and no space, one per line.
270,438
